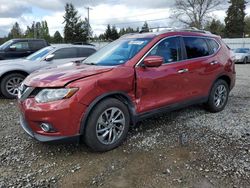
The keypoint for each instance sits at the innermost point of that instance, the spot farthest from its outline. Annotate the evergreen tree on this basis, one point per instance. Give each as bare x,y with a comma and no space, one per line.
57,37
215,27
15,32
75,28
247,26
114,33
38,30
108,33
145,27
235,18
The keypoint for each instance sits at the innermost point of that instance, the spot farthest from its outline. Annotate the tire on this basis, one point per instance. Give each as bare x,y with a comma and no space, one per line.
245,60
218,96
98,125
14,79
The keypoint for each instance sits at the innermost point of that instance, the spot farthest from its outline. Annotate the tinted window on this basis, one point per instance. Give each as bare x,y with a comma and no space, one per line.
213,45
21,46
196,47
65,53
85,52
36,45
169,49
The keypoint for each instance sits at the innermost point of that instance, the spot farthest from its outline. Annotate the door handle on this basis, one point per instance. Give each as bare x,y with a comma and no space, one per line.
214,62
182,71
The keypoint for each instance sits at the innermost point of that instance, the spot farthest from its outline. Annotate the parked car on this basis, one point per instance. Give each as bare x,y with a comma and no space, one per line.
242,55
128,80
18,48
13,72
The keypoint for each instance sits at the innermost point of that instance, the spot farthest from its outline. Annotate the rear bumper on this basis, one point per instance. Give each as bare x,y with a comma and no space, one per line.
43,138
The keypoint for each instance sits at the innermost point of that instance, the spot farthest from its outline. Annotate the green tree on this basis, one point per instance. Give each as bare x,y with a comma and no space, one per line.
75,28
38,30
15,32
247,26
235,19
145,27
215,27
114,33
108,33
57,38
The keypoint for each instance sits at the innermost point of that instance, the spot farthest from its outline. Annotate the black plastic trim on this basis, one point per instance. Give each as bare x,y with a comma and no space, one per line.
169,108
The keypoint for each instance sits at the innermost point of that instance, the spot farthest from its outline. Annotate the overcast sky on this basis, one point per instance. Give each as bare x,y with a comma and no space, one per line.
121,13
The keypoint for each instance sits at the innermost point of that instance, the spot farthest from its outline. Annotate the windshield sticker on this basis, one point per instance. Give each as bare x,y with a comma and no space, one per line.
136,42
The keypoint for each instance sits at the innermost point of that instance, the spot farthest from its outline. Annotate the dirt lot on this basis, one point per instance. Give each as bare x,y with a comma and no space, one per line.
185,148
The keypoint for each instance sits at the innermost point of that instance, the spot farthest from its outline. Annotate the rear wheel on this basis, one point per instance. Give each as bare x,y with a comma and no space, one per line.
218,96
10,84
107,125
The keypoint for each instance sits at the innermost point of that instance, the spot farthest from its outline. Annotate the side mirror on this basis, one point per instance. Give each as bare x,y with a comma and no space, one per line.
50,57
153,61
12,48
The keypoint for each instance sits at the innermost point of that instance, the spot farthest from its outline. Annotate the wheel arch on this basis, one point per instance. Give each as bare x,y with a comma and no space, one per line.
225,78
13,72
121,96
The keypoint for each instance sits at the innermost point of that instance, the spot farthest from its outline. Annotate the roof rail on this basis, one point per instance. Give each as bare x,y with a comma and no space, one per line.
187,29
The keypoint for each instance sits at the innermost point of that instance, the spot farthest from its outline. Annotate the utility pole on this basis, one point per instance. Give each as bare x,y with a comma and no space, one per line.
88,32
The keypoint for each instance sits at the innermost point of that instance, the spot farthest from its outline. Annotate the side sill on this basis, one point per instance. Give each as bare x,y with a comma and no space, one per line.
169,108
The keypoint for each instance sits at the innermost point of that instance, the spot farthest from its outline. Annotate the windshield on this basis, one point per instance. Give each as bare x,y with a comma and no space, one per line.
241,50
6,44
40,53
117,52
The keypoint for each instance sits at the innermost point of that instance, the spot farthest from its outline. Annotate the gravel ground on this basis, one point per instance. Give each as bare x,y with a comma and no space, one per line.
185,148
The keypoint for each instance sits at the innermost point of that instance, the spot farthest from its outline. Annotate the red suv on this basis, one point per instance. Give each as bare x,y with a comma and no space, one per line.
130,79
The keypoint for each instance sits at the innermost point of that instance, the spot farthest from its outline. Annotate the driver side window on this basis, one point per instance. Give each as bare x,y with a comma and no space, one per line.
169,49
21,46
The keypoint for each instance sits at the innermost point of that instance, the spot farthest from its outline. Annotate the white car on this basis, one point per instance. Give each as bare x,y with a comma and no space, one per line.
13,72
242,55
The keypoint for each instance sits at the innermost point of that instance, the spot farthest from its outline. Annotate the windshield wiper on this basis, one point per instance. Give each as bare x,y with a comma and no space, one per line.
90,63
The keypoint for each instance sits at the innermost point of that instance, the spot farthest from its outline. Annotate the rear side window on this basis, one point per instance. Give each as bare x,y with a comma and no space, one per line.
20,46
37,44
85,52
169,49
196,47
65,53
213,45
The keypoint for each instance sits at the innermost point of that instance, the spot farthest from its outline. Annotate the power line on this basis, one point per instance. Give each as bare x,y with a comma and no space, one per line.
138,15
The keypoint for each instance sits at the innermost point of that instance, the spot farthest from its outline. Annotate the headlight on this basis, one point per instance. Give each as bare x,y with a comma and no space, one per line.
49,95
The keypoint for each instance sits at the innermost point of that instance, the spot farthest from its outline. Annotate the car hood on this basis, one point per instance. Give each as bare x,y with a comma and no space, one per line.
61,75
13,62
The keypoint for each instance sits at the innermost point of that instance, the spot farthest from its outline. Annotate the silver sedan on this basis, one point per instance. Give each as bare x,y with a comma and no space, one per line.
242,55
13,72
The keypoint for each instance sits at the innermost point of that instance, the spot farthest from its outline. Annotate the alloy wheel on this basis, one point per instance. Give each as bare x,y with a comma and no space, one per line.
110,125
13,84
220,96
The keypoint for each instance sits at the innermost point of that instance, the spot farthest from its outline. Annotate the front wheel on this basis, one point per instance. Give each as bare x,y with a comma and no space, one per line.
245,60
107,125
218,96
10,84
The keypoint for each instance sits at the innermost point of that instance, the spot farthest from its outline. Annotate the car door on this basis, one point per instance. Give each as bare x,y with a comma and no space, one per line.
18,50
64,55
202,65
165,85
